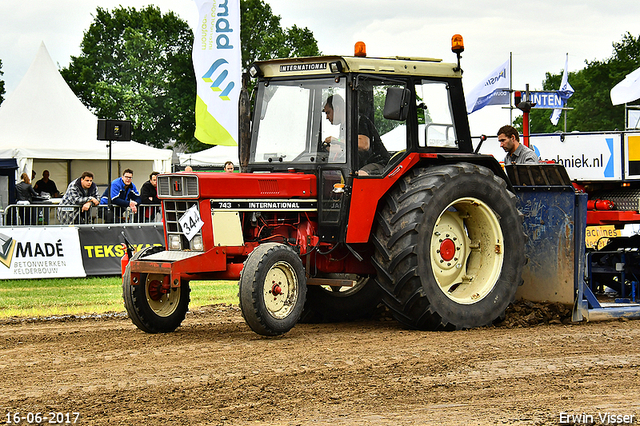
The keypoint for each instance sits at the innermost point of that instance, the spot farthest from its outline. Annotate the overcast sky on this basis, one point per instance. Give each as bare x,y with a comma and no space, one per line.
538,33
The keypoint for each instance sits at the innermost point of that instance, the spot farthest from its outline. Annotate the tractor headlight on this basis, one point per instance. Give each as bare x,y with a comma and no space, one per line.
196,243
175,242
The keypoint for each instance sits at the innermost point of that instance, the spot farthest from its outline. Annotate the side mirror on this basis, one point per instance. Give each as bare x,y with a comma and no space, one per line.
396,104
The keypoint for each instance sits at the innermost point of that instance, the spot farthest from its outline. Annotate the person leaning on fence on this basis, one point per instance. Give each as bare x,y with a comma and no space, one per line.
123,192
149,195
81,195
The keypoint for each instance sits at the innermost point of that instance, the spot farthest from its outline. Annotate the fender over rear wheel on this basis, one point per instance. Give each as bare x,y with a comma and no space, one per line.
152,304
272,289
449,248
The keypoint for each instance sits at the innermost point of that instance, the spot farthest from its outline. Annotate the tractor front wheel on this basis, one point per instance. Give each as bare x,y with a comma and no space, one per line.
272,289
152,304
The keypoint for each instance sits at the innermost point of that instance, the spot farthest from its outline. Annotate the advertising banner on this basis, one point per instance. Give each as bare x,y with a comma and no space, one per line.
586,156
102,247
217,64
40,252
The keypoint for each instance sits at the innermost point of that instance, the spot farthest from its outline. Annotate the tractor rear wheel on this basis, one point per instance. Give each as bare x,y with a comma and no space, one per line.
272,289
152,304
449,248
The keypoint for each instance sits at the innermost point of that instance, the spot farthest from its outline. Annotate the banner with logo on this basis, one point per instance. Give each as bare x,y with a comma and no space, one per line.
40,252
217,62
102,248
493,90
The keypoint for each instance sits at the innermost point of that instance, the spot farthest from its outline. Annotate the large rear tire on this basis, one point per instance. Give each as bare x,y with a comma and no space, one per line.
152,307
449,248
272,289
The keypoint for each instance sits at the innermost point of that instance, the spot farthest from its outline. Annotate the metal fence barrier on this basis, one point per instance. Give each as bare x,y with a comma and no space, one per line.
52,214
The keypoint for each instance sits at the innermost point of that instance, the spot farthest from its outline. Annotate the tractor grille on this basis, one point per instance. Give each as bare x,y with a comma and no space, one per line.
173,211
268,186
179,186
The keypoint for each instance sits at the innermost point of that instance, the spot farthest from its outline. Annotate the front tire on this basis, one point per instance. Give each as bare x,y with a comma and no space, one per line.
449,248
152,307
272,289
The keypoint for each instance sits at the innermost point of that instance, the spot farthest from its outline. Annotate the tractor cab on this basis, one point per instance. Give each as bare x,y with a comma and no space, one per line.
350,119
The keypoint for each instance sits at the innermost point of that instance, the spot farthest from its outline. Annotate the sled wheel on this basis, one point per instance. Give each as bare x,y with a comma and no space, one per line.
272,289
449,248
152,305
341,303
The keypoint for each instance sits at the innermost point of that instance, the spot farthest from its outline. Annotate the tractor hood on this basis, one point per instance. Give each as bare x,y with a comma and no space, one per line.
237,185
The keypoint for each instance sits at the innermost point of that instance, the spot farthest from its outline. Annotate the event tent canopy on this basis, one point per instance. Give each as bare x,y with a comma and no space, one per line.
44,125
215,156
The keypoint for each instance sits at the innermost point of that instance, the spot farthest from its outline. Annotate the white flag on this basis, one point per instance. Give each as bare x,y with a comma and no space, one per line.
493,85
564,92
217,64
628,90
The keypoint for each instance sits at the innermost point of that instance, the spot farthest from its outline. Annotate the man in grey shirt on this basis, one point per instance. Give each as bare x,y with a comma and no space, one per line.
517,153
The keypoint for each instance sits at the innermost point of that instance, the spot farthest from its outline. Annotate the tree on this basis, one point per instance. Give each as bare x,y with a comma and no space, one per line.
262,37
2,92
591,102
136,65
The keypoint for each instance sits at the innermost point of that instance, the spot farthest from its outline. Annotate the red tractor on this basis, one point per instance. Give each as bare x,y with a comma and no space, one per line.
360,186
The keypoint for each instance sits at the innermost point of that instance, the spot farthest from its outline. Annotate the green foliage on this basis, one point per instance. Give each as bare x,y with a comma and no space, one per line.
591,102
262,37
136,65
2,91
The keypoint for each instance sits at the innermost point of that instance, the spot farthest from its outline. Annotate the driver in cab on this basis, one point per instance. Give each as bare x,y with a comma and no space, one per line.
372,155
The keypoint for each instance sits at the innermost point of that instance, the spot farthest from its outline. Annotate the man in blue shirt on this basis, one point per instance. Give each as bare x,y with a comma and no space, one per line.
123,192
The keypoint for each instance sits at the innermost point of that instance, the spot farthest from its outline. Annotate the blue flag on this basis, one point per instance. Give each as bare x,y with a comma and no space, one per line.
493,90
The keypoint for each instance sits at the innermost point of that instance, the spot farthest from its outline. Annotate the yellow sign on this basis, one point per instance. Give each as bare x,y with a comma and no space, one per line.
600,235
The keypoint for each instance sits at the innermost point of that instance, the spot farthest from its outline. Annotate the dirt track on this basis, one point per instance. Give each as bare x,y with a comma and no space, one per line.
214,370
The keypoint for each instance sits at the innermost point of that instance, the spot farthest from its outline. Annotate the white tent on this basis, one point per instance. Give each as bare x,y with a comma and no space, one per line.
45,126
215,156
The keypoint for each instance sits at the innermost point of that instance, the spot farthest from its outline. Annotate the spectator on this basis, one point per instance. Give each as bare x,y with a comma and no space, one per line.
81,194
24,195
24,190
46,186
149,195
228,167
123,192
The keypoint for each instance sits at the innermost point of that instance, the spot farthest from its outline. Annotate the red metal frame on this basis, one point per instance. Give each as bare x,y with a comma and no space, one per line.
366,194
612,217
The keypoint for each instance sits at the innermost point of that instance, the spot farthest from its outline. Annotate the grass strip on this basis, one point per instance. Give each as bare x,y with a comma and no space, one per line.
93,295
